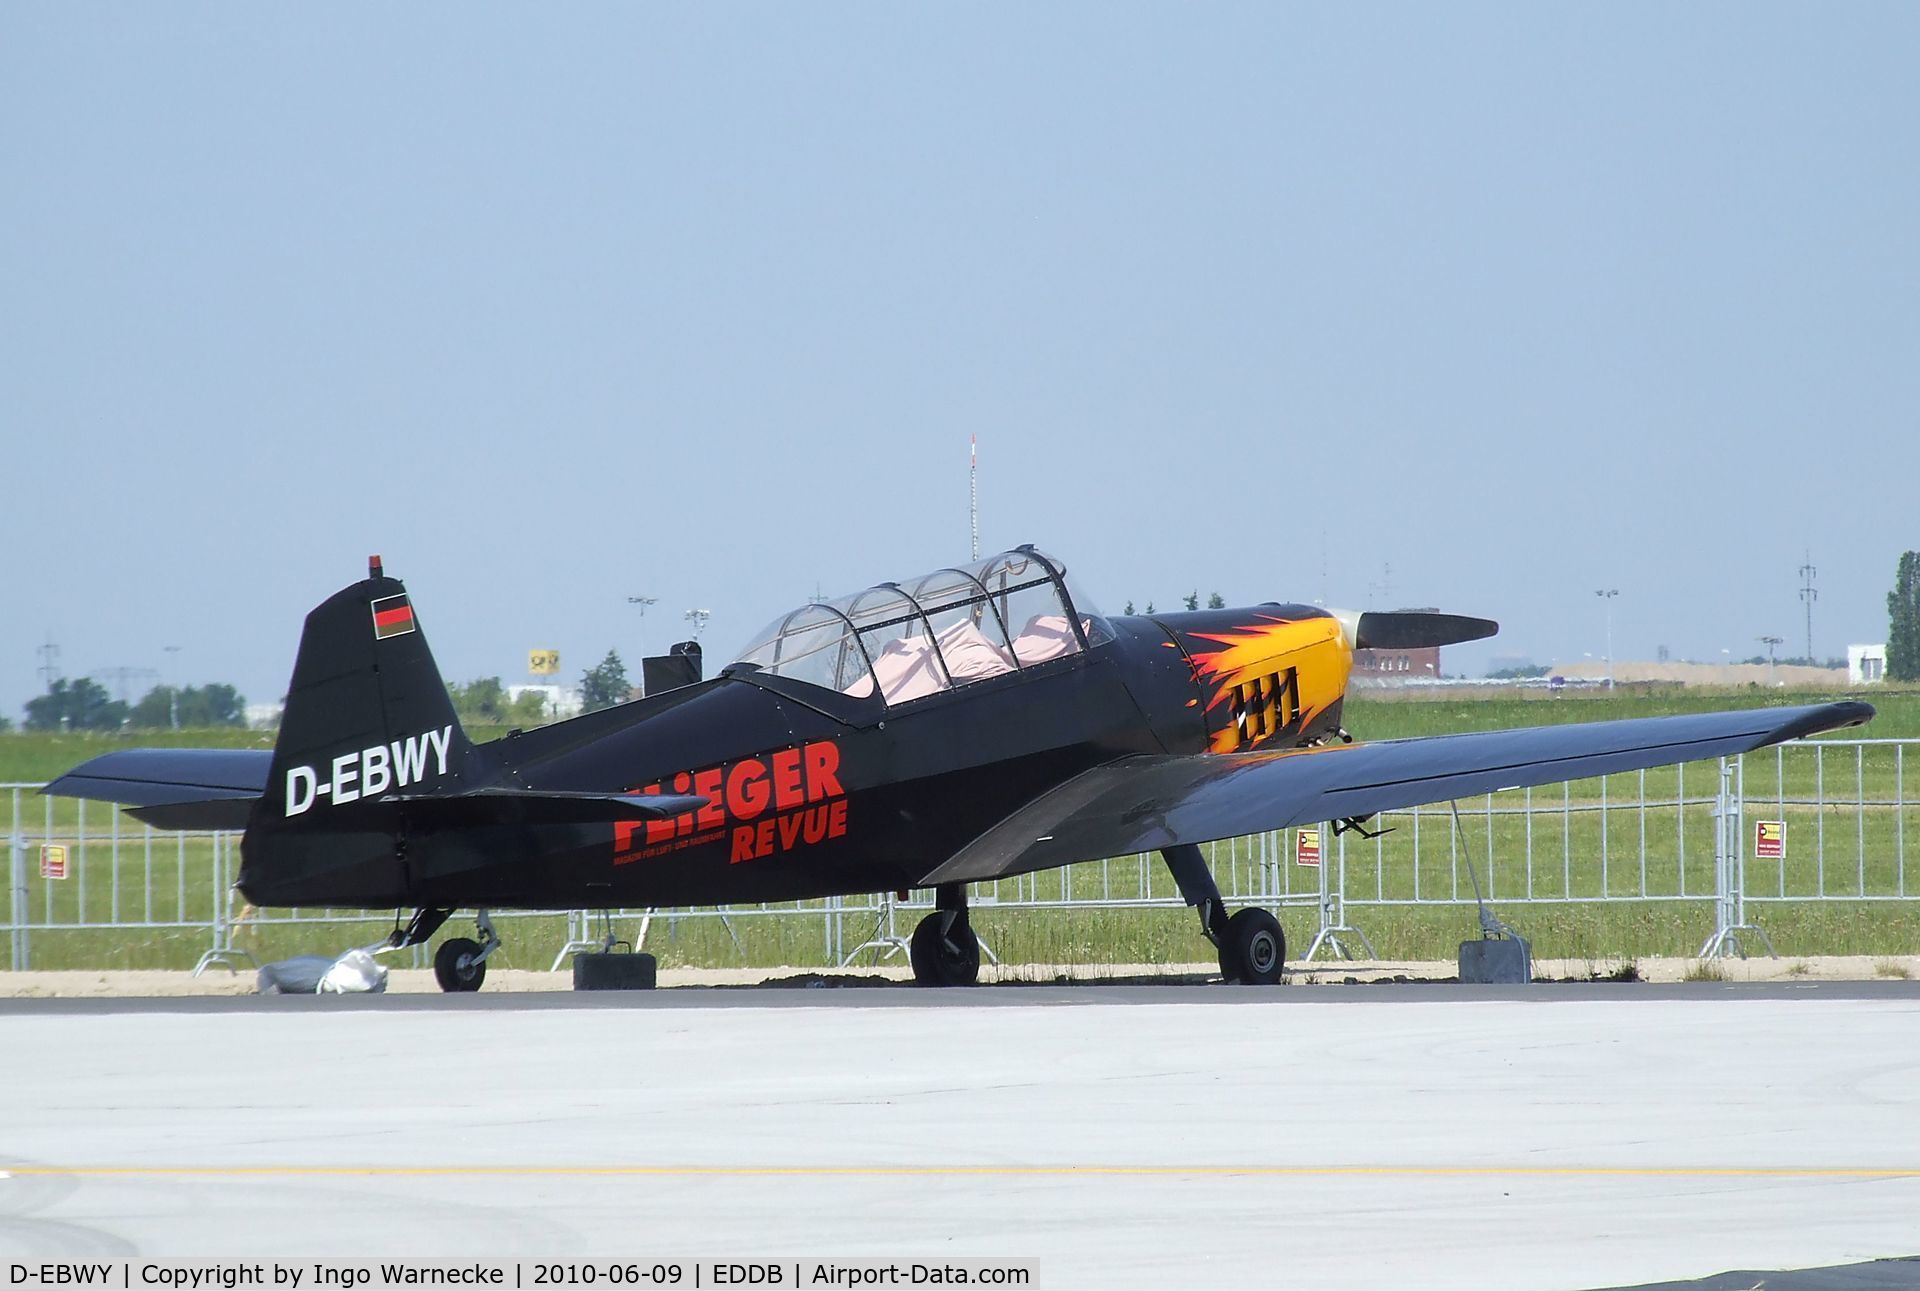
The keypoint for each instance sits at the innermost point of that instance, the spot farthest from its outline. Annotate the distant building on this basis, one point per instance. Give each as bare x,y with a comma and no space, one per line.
262,717
1866,664
1627,672
1397,665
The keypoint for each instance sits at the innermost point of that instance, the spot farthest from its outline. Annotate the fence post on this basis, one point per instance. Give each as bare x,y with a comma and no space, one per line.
1329,916
578,921
19,903
1333,901
223,951
1730,868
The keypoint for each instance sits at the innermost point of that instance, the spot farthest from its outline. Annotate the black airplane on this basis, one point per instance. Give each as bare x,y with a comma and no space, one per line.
975,723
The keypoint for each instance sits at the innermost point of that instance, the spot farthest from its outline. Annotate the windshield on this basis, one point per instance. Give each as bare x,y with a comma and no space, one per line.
929,634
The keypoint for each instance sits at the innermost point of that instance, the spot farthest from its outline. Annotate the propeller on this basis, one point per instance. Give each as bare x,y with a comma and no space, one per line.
1410,629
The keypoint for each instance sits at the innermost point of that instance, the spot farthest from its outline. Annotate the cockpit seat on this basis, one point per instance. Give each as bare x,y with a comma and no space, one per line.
907,669
1046,636
970,655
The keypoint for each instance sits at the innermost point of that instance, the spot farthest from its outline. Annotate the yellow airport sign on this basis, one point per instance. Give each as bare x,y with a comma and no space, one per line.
543,663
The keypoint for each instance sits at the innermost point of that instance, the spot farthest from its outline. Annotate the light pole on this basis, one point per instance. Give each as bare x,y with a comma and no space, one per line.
1606,596
173,689
1771,642
643,602
699,620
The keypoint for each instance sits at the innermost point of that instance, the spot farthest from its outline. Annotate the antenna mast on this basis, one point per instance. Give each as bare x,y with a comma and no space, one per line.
973,491
49,668
1809,595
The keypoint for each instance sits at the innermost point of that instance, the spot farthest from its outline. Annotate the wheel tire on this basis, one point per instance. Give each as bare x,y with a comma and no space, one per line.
949,957
1254,949
457,965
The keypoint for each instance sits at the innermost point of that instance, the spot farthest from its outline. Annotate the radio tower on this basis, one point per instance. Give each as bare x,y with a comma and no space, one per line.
973,491
1809,595
49,668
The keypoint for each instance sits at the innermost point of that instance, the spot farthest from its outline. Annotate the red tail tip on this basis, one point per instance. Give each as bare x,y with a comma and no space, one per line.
374,568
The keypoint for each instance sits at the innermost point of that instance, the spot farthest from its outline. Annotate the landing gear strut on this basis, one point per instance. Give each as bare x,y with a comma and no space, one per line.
461,963
1253,949
944,950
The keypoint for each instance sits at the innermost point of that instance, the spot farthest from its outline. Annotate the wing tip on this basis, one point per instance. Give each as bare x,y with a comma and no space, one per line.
1829,717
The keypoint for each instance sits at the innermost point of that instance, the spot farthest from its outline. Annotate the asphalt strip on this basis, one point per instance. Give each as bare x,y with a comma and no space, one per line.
823,994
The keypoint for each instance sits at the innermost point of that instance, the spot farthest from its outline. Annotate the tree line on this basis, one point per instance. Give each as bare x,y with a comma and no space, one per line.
83,704
1191,600
1903,620
485,701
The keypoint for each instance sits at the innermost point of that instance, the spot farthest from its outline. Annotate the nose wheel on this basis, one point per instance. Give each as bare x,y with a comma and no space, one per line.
944,950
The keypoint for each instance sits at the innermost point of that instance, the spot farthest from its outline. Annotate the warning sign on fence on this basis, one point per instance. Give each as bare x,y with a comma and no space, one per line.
1769,840
53,861
1306,846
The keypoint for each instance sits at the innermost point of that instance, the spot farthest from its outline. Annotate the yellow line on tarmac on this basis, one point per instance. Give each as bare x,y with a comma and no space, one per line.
975,1171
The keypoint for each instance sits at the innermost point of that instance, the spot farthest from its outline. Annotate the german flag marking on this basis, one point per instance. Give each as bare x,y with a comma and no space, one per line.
392,617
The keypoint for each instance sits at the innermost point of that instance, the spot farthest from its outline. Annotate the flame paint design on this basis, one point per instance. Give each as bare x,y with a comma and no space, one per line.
1315,648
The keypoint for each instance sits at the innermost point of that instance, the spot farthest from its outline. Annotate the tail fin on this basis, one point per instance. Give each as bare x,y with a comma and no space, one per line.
367,712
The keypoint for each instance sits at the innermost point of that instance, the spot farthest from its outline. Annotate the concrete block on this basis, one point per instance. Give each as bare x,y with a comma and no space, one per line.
1504,961
614,972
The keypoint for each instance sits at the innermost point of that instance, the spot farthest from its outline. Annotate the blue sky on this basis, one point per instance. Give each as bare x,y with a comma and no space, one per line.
553,306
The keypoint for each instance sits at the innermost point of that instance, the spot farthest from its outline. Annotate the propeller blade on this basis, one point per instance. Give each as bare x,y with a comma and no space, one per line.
1413,629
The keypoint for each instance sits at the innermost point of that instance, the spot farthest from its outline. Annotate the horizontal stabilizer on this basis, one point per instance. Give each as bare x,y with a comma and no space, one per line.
1416,629
536,807
173,788
217,789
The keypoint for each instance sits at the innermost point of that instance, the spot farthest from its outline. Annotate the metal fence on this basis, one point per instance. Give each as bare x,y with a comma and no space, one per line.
1836,816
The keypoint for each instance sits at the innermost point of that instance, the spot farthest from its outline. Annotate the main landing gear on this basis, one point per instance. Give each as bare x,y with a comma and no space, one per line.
461,962
1253,949
944,950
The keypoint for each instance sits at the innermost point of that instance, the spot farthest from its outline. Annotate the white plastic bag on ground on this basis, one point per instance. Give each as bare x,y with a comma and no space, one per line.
355,972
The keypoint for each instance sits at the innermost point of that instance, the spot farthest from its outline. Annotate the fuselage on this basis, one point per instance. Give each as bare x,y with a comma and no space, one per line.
814,792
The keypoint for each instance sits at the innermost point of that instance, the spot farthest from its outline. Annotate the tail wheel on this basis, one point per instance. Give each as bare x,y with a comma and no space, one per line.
1253,950
457,965
944,950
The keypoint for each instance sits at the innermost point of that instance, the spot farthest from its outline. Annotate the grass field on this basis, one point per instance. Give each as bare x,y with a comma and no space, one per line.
1848,810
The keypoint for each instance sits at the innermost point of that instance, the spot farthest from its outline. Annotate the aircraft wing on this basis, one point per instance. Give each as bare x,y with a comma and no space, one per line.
1145,803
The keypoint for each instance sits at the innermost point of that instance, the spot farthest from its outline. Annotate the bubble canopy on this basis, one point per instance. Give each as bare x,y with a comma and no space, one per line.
930,634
